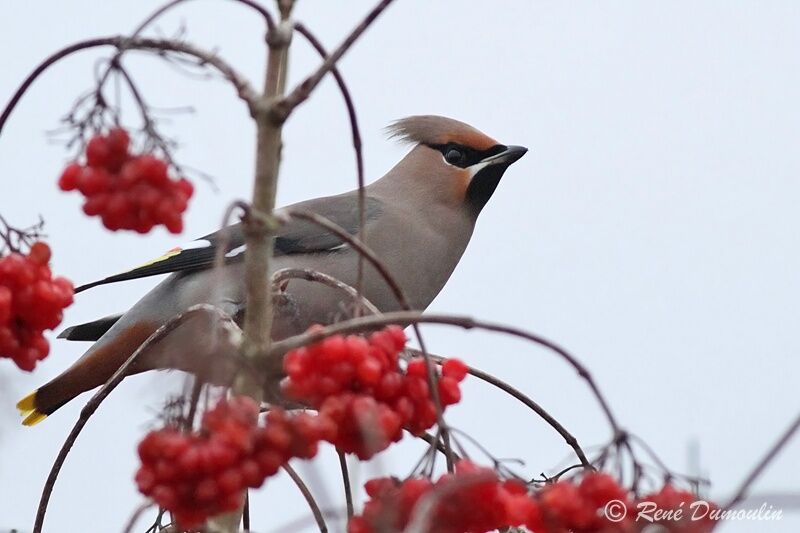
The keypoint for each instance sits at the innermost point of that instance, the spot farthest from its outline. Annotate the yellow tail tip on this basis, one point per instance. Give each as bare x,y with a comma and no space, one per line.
27,409
33,418
27,404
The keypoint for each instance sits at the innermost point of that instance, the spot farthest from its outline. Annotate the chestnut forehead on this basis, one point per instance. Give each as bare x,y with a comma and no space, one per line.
471,139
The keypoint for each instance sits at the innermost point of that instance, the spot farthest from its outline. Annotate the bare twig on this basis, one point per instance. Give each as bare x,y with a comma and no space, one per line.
14,239
316,276
246,511
571,441
159,12
283,108
759,468
95,401
242,86
137,514
356,136
348,491
437,444
312,503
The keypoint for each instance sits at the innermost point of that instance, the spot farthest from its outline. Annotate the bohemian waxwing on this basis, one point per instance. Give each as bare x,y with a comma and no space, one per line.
419,219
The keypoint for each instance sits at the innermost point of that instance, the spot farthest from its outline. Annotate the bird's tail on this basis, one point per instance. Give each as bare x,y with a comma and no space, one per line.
92,370
31,411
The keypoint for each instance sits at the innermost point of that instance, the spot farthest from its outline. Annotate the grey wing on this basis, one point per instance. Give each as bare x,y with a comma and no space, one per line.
294,237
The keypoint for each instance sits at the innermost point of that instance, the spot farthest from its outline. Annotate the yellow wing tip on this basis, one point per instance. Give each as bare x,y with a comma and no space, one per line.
27,409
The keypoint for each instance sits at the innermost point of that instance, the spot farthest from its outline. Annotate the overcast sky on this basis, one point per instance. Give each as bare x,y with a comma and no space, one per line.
652,229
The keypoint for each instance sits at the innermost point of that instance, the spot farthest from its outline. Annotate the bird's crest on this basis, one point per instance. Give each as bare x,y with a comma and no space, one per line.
436,130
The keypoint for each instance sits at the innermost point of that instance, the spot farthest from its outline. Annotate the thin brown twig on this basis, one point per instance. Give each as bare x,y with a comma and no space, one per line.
240,83
283,108
437,443
13,239
312,503
194,398
316,276
570,439
348,491
95,401
137,514
759,468
160,11
356,138
246,511
413,317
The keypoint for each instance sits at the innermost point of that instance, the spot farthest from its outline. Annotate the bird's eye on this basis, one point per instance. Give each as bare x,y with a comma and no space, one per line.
453,156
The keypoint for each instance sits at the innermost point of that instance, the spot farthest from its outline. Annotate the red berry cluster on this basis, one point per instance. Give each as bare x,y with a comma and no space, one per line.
202,474
31,301
127,191
581,507
357,382
474,498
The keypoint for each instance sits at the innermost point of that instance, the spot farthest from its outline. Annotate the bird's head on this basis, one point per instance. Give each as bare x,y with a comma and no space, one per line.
457,163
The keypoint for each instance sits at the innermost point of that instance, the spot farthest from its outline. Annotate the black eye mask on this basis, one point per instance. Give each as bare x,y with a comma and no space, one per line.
462,156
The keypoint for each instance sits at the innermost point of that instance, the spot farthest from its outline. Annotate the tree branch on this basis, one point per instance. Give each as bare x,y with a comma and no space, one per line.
773,452
312,503
316,276
348,491
243,89
300,94
571,441
356,137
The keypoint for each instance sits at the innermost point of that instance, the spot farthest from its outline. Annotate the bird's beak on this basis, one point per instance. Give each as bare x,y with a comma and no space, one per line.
485,176
507,156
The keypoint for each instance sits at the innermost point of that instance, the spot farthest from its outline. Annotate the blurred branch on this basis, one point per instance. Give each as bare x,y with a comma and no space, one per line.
348,491
14,239
137,514
771,454
312,503
571,441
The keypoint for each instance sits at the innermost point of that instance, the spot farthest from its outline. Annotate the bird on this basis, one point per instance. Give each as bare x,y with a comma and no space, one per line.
418,219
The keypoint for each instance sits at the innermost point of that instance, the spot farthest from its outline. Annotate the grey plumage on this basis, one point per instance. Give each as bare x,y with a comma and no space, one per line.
419,219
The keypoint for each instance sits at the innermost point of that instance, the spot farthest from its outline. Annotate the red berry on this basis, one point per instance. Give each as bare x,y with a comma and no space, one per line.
69,178
455,368
97,152
39,253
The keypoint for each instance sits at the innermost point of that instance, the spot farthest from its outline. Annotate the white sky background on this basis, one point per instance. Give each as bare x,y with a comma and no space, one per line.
652,228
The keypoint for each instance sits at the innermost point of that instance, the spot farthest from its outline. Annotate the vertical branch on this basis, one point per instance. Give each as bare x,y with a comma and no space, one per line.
258,223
